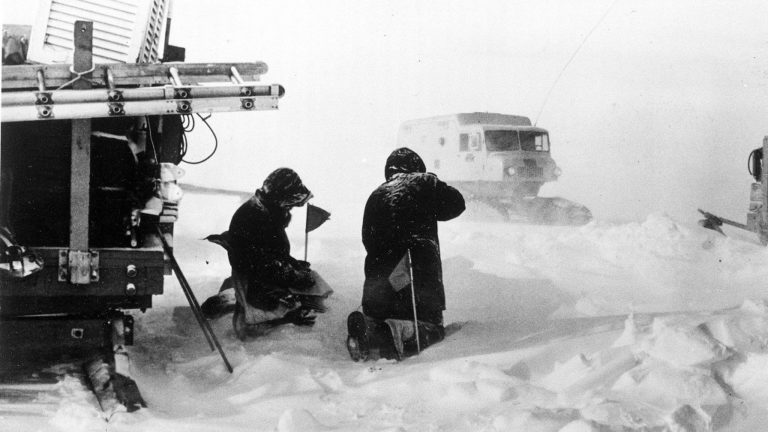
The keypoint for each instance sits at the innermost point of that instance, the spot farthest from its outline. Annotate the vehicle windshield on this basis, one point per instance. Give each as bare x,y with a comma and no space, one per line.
511,140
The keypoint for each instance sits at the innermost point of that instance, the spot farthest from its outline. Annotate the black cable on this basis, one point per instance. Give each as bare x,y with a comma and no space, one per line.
754,155
151,141
187,122
183,150
215,141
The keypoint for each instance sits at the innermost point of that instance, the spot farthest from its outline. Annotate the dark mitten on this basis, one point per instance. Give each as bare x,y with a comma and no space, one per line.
301,317
303,279
266,298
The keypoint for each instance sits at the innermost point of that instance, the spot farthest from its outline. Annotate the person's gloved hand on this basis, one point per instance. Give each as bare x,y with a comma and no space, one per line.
270,298
303,279
301,317
289,302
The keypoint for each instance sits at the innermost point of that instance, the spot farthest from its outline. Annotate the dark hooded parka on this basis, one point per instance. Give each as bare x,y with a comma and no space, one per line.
259,246
402,214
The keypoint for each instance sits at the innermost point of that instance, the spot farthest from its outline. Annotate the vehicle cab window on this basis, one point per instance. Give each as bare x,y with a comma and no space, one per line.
534,141
502,140
542,142
463,142
474,142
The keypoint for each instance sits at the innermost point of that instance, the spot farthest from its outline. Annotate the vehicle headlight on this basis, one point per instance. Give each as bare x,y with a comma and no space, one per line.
511,171
558,171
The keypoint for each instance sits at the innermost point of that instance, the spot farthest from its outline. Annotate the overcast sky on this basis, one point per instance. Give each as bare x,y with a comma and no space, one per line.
657,111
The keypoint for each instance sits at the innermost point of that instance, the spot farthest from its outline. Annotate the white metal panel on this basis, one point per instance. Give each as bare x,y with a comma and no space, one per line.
64,29
123,31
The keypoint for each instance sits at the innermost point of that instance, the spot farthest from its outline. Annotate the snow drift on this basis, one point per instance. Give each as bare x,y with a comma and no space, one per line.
655,325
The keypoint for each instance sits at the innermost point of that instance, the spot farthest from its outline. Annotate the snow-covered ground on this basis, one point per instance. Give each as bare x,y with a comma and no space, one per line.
650,325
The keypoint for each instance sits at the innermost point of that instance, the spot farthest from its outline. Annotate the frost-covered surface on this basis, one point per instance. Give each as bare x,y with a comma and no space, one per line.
654,325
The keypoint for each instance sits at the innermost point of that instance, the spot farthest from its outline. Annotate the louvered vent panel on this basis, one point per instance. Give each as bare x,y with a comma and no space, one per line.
123,31
150,50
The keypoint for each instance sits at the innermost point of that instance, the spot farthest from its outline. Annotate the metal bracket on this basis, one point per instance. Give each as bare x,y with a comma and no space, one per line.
184,106
115,96
128,329
78,267
246,103
247,91
43,98
182,93
44,111
116,109
95,266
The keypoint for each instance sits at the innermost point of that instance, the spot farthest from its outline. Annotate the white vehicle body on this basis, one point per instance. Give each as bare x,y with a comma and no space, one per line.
488,155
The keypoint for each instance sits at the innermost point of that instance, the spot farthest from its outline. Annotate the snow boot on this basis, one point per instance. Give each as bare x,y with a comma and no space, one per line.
369,339
429,334
238,323
357,339
219,305
244,330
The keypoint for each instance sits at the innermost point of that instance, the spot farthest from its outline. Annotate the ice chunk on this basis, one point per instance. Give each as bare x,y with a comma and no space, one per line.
758,306
683,346
578,426
743,332
582,376
329,380
751,378
299,420
689,419
620,415
668,388
635,327
524,420
565,374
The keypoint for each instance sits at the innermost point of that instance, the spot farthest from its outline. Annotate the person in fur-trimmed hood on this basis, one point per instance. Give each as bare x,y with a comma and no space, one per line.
402,215
260,254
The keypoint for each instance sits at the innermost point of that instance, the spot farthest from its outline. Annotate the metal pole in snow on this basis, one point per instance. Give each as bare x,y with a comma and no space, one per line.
413,299
306,233
193,304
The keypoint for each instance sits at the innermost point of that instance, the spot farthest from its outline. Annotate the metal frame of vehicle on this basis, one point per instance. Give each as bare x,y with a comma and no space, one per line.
57,143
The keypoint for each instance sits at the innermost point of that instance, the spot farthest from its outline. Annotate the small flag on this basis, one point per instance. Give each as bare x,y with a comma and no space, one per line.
224,240
401,275
315,217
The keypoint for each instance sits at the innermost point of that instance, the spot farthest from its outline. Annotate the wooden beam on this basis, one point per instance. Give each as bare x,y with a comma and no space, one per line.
80,176
25,76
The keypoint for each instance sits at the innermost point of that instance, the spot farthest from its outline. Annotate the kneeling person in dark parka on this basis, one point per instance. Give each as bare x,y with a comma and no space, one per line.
263,270
400,219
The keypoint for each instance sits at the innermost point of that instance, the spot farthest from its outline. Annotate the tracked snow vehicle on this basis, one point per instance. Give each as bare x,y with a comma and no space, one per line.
498,159
89,160
757,215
